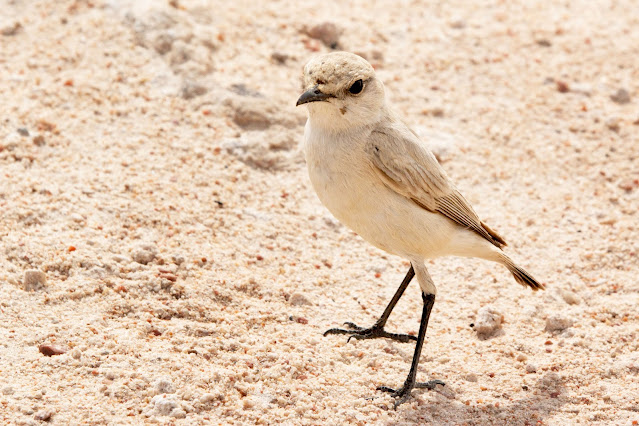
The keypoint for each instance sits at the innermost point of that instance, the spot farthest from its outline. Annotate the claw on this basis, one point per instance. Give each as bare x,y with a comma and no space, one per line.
373,332
402,394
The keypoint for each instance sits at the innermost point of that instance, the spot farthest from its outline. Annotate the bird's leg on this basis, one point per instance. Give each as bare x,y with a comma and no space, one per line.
402,394
377,330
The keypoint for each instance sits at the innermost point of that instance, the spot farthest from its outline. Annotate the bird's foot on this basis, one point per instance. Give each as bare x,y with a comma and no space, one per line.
402,394
373,332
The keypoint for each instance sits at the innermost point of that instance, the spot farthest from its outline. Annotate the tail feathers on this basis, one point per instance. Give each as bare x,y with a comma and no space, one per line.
524,278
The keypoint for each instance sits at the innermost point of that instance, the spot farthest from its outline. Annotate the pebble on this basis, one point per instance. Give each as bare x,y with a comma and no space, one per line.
613,123
279,57
531,368
488,321
51,350
144,253
191,89
34,280
522,357
327,32
178,259
298,299
22,131
570,297
562,86
8,390
558,323
471,377
43,415
38,140
163,405
249,114
621,96
76,353
164,385
10,29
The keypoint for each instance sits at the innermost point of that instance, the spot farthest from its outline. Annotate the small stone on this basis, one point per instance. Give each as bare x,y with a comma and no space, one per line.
543,42
162,405
120,259
279,57
178,259
327,33
298,299
488,321
76,353
39,140
250,115
11,29
562,86
471,377
163,43
164,385
457,22
191,89
621,96
558,323
521,357
144,253
51,350
570,297
34,280
178,413
531,368
22,131
613,123
8,390
43,415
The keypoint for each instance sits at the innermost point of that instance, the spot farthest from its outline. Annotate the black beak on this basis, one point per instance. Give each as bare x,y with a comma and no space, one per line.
312,95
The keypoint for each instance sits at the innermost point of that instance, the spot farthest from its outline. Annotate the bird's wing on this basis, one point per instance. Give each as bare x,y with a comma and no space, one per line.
405,165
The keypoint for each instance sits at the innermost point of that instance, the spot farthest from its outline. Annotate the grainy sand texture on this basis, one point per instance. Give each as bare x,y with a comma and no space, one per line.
164,259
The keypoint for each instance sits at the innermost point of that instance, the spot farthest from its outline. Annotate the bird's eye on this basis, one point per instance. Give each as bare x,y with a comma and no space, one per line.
356,87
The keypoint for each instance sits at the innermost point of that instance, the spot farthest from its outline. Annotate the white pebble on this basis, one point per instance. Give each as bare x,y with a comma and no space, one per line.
164,385
558,323
298,299
488,321
144,253
570,297
531,368
34,280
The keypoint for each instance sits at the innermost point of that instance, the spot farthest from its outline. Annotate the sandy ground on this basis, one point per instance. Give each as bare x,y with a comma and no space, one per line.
150,170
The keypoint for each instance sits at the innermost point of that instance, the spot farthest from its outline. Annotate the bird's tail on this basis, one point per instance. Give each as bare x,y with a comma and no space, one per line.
521,275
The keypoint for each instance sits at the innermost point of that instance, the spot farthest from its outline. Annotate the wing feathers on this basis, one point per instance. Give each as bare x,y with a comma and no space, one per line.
410,169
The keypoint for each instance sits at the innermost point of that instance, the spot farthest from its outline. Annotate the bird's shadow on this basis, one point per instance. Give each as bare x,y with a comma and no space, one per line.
547,396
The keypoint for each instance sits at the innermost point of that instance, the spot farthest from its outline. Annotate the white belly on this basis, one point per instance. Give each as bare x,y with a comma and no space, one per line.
348,186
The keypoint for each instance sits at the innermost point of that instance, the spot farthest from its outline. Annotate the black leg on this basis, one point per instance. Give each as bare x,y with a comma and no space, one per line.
377,330
403,393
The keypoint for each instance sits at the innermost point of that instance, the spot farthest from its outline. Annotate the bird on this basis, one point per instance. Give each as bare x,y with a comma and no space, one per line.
376,176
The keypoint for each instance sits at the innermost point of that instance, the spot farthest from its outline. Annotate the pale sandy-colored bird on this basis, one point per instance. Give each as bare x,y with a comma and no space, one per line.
378,178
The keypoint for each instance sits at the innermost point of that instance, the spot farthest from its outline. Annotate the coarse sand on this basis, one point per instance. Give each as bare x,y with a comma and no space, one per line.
163,258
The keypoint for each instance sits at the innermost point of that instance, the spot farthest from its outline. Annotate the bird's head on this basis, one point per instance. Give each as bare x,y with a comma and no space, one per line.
341,91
